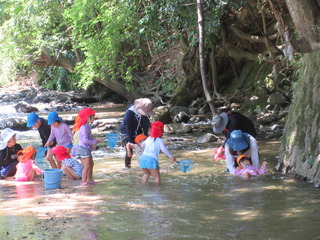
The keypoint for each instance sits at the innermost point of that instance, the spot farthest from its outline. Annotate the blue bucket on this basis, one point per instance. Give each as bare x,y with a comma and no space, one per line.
112,139
52,178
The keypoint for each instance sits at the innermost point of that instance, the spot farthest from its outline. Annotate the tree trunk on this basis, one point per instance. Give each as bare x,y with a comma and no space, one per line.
300,150
204,78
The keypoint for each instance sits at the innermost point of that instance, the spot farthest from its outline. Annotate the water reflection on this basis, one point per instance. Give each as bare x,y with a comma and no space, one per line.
205,203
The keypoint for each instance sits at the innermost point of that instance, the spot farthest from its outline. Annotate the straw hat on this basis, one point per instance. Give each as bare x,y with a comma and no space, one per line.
6,135
219,122
144,106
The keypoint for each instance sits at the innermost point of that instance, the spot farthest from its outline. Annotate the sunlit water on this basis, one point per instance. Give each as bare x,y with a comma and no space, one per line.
206,203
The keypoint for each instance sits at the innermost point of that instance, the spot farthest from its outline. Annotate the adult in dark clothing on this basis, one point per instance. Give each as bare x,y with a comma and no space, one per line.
44,130
136,121
226,123
8,153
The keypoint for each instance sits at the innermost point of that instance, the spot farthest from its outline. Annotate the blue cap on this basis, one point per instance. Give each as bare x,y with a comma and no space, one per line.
53,117
32,119
238,140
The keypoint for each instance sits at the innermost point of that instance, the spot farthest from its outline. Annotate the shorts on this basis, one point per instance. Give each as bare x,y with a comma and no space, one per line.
83,153
68,146
74,150
148,162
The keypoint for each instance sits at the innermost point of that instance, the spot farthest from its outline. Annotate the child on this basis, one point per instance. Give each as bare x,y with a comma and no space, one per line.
137,147
152,147
26,168
59,131
44,129
245,168
71,167
86,145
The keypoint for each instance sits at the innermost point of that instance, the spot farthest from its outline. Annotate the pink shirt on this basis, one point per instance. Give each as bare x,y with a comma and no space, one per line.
250,169
23,170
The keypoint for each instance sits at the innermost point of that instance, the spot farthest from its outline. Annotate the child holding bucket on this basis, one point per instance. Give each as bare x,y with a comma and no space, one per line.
59,131
70,166
137,147
86,145
152,147
26,168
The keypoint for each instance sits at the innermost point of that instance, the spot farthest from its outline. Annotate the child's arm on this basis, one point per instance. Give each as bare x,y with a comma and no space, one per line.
263,168
166,151
129,146
36,168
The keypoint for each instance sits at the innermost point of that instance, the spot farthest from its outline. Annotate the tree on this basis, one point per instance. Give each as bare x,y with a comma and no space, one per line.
299,151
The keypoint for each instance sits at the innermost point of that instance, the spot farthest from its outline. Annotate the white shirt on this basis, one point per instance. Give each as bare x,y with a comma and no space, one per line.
153,146
252,152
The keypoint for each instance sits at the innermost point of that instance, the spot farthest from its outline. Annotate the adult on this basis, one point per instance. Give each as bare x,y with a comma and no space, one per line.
8,153
225,123
44,129
241,143
136,121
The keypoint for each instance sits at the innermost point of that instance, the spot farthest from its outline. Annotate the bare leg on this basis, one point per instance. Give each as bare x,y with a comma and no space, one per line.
50,159
70,173
247,175
86,169
156,174
146,175
91,169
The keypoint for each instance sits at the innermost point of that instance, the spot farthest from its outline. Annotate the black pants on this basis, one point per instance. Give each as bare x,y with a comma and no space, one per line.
127,159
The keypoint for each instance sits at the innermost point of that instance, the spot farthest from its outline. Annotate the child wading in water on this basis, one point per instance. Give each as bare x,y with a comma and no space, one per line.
26,168
137,147
152,147
245,168
59,131
86,145
70,166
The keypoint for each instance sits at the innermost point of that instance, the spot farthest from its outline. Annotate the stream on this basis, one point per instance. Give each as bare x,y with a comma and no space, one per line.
205,203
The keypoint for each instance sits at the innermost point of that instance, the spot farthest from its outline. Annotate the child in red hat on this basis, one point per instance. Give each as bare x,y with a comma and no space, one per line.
152,147
86,144
70,166
26,168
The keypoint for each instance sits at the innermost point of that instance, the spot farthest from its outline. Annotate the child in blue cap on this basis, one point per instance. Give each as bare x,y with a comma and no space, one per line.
44,129
60,132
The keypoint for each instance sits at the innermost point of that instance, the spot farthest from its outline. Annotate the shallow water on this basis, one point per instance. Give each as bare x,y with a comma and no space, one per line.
206,203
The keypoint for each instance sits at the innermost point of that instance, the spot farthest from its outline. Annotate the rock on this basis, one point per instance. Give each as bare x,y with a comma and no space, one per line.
276,98
25,108
177,109
181,117
208,137
162,114
14,123
177,128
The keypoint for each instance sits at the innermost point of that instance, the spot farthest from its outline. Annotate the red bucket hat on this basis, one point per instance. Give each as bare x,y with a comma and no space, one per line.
83,114
156,129
61,153
27,153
